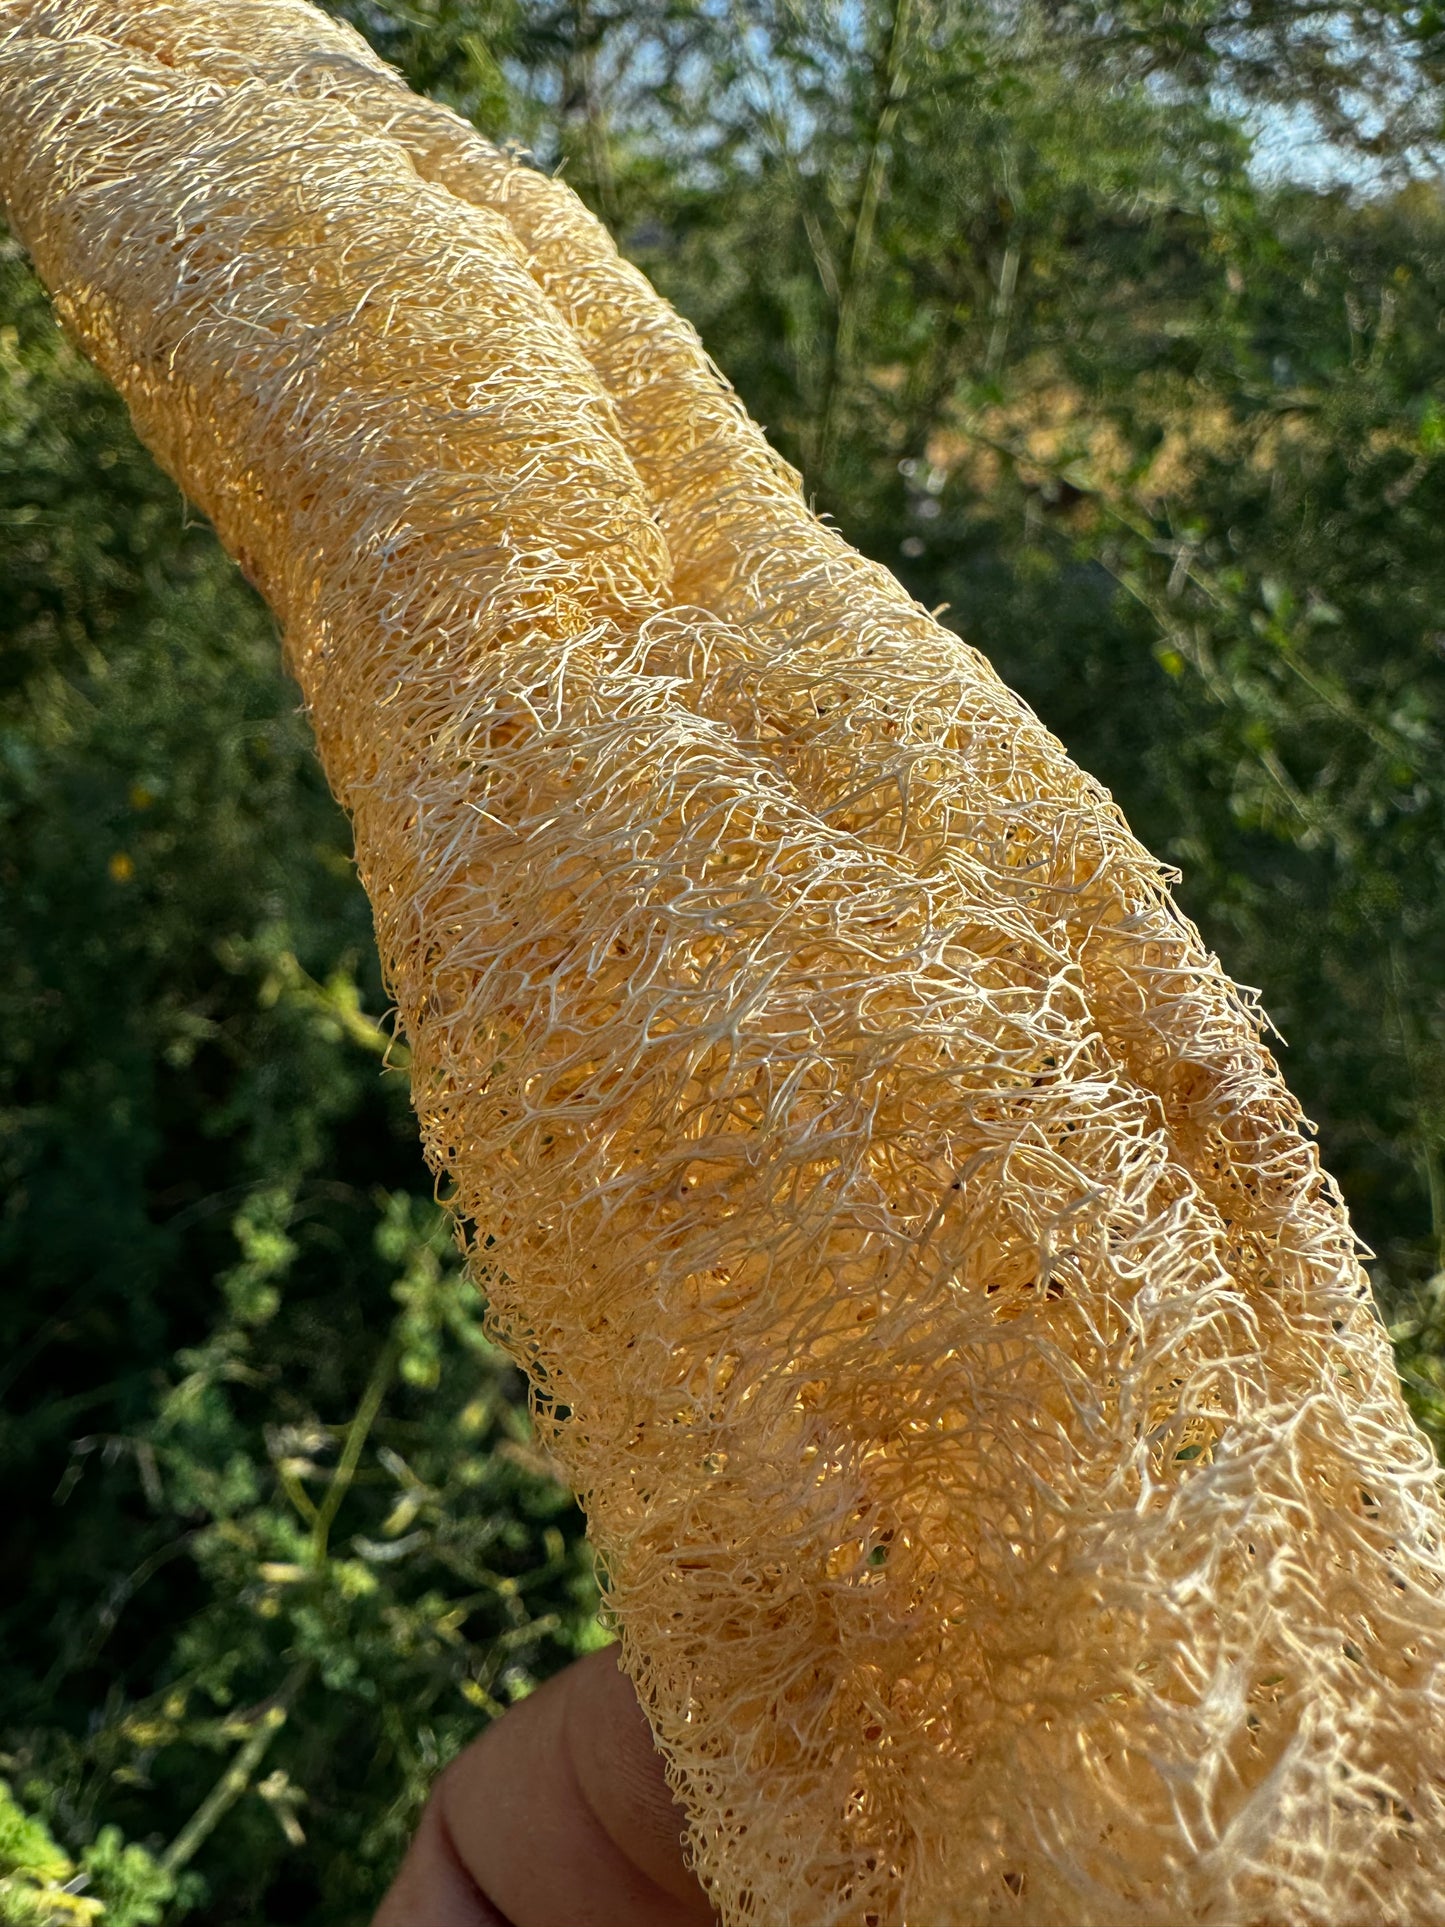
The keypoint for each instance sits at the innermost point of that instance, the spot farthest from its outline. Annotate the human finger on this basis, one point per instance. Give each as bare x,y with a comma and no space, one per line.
558,1816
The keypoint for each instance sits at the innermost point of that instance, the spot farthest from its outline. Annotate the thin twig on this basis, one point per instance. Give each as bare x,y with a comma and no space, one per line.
356,1436
237,1776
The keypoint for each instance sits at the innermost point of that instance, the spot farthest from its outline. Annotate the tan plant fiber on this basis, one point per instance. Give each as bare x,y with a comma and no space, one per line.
1005,1495
885,721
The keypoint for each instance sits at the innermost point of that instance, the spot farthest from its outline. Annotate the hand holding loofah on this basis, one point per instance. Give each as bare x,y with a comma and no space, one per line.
1005,1496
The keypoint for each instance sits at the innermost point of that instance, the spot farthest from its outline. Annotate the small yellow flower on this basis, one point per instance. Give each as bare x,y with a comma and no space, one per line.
121,867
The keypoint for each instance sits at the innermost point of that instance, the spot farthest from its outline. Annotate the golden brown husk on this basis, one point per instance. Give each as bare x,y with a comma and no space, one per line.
1007,1500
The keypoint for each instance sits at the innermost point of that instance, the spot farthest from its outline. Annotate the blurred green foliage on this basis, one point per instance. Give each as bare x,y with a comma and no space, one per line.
1169,443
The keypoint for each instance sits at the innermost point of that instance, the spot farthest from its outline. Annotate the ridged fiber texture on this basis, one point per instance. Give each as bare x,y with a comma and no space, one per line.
926,1281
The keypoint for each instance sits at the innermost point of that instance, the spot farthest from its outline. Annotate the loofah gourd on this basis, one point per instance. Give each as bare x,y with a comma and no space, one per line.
1006,1498
883,719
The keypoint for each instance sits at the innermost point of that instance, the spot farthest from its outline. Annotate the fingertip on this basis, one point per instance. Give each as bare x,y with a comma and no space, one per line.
623,1779
561,1815
432,1888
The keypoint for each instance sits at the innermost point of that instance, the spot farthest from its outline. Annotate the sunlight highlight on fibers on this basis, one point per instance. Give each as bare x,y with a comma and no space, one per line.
1005,1494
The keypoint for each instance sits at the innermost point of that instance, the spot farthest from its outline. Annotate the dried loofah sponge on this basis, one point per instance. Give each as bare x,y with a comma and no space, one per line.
1000,1476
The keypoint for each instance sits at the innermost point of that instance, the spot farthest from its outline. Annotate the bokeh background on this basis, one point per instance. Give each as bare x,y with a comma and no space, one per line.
1115,326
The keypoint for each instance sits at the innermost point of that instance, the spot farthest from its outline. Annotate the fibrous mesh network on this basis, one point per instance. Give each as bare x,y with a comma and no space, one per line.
928,1285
